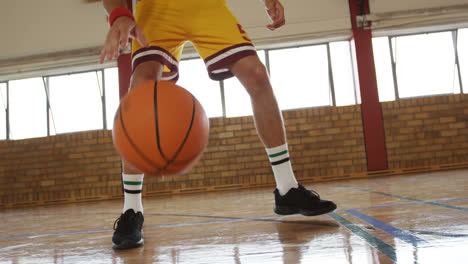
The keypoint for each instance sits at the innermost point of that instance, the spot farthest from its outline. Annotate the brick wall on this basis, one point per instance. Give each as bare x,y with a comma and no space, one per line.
70,167
426,132
325,143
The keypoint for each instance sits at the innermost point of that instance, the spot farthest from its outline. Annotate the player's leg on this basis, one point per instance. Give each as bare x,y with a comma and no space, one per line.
290,197
268,119
159,61
230,52
128,227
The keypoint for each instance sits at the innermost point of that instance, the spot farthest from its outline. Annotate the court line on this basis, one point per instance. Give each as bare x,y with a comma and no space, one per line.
433,233
405,204
258,219
225,219
389,229
372,240
57,234
406,198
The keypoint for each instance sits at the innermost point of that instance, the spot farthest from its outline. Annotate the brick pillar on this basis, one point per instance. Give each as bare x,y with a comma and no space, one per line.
124,64
372,119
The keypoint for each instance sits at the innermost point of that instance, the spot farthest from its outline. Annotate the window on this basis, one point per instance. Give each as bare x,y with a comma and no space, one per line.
425,64
421,65
383,68
237,99
27,107
111,81
193,76
75,102
300,76
3,108
343,79
463,57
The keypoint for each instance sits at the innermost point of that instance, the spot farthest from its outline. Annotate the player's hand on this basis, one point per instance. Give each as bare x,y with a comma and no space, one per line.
276,12
122,28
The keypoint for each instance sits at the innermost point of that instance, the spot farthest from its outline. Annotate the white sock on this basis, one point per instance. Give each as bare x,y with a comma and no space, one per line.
133,184
281,165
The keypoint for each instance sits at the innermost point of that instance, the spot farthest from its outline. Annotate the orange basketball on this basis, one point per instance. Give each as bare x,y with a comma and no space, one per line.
160,128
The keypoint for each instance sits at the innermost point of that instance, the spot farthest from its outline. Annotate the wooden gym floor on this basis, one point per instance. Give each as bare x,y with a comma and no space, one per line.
420,218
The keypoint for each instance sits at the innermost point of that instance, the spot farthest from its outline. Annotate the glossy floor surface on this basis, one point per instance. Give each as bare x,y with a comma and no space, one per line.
419,218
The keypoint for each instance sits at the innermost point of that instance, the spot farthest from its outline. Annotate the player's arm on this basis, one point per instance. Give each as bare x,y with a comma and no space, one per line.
123,27
275,11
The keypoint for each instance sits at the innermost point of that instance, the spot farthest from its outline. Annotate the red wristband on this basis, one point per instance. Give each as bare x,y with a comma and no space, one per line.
118,12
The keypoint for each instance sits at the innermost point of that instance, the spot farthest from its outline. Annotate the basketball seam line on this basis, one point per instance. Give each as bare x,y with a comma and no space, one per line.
158,138
156,121
149,161
186,135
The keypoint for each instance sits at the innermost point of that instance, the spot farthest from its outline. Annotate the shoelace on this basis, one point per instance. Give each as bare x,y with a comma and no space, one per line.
117,221
312,194
315,194
124,222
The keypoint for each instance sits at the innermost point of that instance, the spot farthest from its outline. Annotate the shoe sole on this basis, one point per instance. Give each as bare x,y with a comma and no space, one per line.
127,244
286,210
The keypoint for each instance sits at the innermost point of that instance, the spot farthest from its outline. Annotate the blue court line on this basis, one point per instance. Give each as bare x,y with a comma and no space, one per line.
225,219
405,204
372,240
389,229
258,219
406,198
196,216
434,233
57,234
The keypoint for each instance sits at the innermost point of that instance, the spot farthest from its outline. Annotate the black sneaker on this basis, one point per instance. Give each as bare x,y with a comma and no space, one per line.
302,201
128,233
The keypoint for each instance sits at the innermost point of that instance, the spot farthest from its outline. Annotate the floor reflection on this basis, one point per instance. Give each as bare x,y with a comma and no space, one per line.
382,220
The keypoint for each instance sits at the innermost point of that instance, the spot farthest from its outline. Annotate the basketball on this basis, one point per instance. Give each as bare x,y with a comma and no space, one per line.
160,128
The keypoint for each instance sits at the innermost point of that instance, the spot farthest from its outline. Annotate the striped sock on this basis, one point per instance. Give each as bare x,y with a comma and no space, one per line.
281,165
133,184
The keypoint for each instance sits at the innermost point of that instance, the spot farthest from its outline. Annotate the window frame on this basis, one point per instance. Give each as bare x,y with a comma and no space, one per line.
394,65
6,108
102,90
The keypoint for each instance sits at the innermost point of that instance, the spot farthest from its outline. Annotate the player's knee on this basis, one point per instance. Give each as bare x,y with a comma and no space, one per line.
259,76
